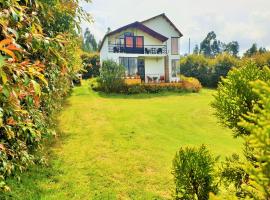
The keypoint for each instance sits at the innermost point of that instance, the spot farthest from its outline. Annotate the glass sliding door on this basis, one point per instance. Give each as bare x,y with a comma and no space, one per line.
130,65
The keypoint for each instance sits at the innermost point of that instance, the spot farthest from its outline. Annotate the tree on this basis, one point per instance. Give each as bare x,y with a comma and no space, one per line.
251,51
210,46
193,170
262,50
232,48
111,76
90,43
235,97
257,123
196,50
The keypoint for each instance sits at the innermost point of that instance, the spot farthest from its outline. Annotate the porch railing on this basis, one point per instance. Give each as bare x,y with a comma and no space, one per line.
146,49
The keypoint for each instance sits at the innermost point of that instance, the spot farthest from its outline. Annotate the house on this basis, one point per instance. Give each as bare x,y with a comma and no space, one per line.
148,49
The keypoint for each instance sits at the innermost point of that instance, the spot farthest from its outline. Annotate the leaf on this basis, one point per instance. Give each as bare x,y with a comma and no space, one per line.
2,61
3,76
13,47
8,52
5,42
36,87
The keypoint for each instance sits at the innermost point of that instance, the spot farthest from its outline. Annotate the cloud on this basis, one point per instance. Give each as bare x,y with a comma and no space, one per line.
246,21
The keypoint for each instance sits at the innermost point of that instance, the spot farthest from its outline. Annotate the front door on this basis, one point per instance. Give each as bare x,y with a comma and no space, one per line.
141,68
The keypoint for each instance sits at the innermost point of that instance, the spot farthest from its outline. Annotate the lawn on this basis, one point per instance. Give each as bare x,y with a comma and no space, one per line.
121,147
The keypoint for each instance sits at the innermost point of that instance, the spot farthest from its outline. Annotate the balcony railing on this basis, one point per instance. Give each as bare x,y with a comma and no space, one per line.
146,49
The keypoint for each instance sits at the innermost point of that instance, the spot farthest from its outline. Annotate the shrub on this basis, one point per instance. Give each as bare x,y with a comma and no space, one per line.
193,170
39,55
232,172
186,85
222,64
111,77
235,97
90,65
257,124
208,70
197,66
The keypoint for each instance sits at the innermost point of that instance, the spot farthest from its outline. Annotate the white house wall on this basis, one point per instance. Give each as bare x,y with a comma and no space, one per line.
162,26
154,66
104,51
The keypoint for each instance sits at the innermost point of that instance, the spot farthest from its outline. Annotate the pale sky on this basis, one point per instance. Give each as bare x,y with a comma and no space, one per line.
246,21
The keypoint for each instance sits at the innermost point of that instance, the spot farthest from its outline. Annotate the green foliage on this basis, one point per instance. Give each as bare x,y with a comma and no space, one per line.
39,56
196,66
89,43
186,85
208,71
211,47
235,96
193,170
257,123
91,65
261,59
222,64
232,48
232,172
111,76
253,50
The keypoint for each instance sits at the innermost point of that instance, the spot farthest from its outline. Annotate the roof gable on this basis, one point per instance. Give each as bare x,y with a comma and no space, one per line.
167,19
143,28
140,26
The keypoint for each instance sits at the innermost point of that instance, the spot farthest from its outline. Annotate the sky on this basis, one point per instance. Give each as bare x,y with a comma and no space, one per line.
245,21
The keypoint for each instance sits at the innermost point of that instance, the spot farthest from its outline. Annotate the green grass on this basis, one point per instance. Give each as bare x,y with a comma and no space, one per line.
121,147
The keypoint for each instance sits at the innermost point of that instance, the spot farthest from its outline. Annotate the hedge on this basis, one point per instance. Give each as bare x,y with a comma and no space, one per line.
191,85
39,56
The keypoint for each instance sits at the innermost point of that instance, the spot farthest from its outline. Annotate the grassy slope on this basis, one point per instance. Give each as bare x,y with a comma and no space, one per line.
121,147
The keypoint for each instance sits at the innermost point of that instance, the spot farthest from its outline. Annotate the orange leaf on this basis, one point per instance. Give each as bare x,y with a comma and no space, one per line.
10,53
5,42
12,47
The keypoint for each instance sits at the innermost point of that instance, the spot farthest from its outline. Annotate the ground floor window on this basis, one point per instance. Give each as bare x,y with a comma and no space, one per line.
130,64
175,64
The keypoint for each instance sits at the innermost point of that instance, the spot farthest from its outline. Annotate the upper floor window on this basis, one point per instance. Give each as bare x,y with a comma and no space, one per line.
129,42
175,45
139,42
134,42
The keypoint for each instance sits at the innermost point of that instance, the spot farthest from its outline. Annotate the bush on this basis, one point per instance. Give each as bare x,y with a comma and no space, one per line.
208,70
186,85
235,96
222,64
261,59
91,65
193,170
197,66
257,123
111,77
39,56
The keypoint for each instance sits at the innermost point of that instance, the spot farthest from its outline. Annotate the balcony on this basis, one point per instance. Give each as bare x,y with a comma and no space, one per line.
146,49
